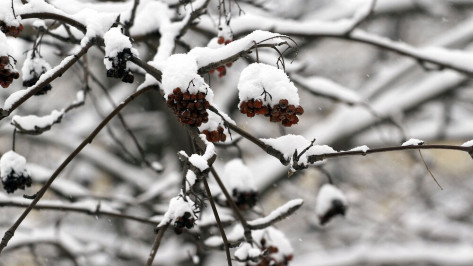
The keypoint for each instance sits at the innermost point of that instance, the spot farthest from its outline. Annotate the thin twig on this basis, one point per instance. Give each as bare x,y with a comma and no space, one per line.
219,223
428,169
157,242
244,223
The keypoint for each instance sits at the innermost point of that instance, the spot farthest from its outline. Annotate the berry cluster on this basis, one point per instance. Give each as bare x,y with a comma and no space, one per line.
119,69
185,221
282,112
190,108
271,260
11,30
215,135
222,40
14,181
245,199
7,72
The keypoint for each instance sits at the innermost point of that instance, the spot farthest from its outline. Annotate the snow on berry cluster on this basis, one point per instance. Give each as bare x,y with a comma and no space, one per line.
118,51
266,90
33,67
186,92
330,202
240,181
214,129
11,30
13,172
276,250
181,214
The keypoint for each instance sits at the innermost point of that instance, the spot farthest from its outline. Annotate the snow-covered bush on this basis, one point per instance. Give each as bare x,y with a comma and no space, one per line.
246,166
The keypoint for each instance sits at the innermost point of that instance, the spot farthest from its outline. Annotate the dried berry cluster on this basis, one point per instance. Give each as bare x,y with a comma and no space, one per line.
190,108
282,112
270,260
185,221
14,181
7,73
215,135
11,30
245,199
119,69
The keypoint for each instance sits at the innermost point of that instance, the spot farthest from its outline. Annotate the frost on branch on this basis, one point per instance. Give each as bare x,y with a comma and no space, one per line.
330,202
239,180
13,172
7,64
186,92
181,212
33,67
266,90
277,215
118,51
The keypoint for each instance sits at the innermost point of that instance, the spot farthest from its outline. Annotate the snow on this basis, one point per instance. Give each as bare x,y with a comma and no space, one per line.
238,176
468,143
235,235
413,142
33,65
326,195
5,48
178,206
116,42
362,148
6,14
33,122
246,251
180,71
200,161
257,78
12,162
279,213
206,55
290,143
191,178
274,238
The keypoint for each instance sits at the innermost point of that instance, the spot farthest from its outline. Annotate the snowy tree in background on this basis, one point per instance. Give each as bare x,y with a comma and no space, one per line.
236,132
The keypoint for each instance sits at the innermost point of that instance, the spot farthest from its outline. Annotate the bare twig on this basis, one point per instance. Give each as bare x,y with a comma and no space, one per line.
219,223
157,242
244,223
